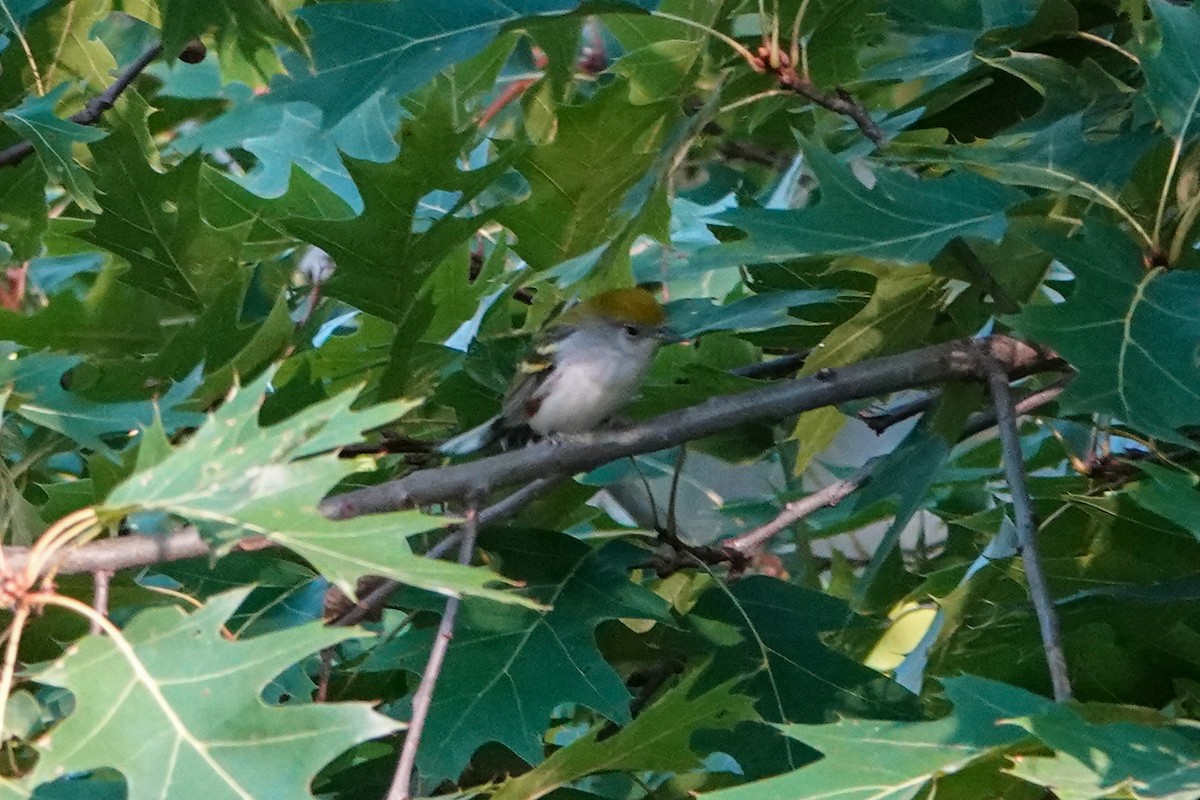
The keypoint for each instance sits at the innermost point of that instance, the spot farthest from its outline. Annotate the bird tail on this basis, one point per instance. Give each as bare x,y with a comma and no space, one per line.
477,438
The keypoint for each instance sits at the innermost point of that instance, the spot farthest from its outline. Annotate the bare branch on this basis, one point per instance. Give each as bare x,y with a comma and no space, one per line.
100,581
779,367
796,510
880,421
983,420
835,493
958,360
839,101
121,553
423,698
95,107
1039,591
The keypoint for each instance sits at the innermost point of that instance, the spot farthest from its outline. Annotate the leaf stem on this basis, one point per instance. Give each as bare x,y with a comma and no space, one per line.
8,671
737,46
1100,40
1176,153
38,85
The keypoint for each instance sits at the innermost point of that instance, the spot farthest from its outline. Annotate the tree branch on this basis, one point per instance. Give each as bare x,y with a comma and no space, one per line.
1039,591
830,495
966,359
121,552
839,101
95,107
880,421
958,360
423,698
769,59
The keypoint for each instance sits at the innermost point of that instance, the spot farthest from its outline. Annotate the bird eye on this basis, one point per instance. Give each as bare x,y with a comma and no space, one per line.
632,330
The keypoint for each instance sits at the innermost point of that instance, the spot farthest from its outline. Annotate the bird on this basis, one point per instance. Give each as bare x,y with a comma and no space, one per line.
584,366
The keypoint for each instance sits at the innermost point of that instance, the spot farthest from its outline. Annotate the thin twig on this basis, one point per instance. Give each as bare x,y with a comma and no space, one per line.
423,698
673,497
796,510
839,101
880,421
981,421
513,91
775,368
326,672
1039,591
95,107
497,512
8,670
100,581
834,493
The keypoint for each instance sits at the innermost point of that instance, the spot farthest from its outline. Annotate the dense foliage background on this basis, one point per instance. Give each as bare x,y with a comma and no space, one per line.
261,254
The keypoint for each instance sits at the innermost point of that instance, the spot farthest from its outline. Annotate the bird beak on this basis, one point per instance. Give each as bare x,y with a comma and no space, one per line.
667,335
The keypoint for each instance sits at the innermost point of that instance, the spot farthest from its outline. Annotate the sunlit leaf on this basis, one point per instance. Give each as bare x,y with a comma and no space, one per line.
190,698
234,478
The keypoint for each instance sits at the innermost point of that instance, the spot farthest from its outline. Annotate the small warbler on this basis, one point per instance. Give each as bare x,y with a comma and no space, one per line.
584,366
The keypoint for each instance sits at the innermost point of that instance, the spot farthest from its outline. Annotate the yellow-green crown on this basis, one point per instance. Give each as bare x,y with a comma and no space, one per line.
635,306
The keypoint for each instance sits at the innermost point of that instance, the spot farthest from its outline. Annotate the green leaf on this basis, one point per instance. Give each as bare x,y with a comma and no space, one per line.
657,71
385,254
152,220
23,220
234,478
1171,494
898,316
507,668
394,47
869,760
658,740
1130,333
191,699
837,35
251,24
692,317
66,53
1148,762
940,37
578,183
39,397
53,139
906,474
1173,69
287,139
771,630
1058,157
900,218
112,319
